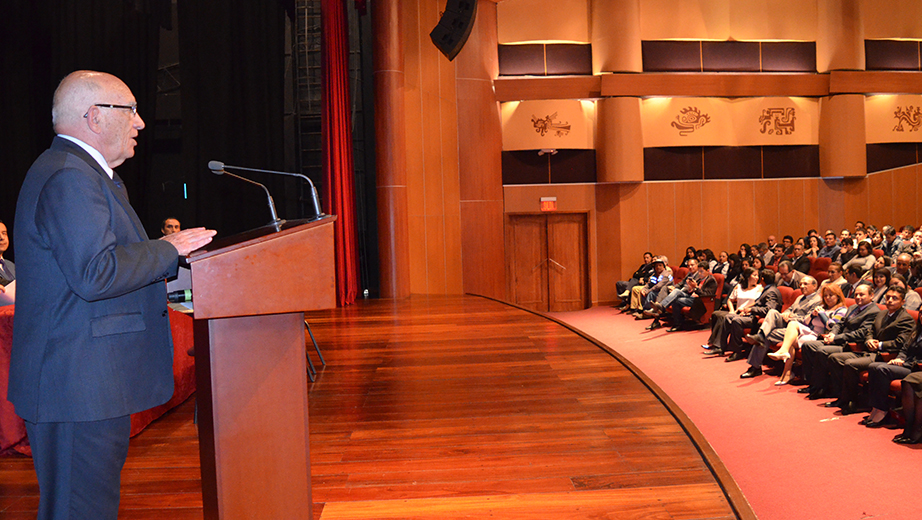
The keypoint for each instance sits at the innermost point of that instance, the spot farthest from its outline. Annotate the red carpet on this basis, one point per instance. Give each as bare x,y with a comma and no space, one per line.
792,458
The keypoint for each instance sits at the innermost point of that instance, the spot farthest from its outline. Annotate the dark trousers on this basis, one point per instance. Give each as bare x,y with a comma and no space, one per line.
845,372
815,356
879,377
79,467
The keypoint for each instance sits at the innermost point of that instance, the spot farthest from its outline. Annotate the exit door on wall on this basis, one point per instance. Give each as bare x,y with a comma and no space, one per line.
547,261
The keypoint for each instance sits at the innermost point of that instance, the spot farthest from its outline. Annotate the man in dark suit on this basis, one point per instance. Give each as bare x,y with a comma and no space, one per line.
91,339
890,331
854,327
800,260
748,318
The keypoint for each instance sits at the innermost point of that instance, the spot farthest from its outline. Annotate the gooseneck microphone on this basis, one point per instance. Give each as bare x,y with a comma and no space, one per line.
215,166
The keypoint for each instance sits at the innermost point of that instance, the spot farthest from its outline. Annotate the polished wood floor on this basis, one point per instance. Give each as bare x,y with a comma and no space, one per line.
453,407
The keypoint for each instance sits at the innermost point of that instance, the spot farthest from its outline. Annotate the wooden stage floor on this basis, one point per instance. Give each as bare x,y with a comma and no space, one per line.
454,407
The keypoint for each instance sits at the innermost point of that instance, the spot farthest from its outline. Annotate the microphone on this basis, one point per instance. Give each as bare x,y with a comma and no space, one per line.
315,198
217,168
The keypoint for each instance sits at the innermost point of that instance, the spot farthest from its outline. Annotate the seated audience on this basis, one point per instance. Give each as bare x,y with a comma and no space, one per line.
640,276
880,374
913,246
777,256
880,283
820,321
690,254
835,275
853,278
671,292
787,276
915,278
788,244
813,246
911,399
865,258
846,252
830,249
737,324
775,324
743,296
854,327
891,329
800,260
698,283
912,301
745,252
643,295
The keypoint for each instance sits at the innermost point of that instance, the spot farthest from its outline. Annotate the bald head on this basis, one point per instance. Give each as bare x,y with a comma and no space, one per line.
95,107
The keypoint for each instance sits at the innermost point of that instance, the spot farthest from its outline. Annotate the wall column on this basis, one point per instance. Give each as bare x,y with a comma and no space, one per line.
390,150
480,141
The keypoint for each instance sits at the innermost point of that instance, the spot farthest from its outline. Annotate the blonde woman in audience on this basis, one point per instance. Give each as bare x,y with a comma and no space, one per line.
819,322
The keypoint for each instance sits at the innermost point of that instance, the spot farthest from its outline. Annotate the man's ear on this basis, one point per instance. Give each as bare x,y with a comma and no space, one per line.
92,119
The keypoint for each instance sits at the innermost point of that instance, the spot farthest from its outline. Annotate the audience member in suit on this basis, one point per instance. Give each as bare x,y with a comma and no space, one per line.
880,375
743,296
830,249
91,338
800,260
682,288
723,264
913,301
702,286
775,325
820,321
911,399
854,327
640,277
787,243
777,256
891,330
7,269
852,278
749,317
787,276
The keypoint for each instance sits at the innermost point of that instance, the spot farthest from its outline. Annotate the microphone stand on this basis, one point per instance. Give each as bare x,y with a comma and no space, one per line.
276,222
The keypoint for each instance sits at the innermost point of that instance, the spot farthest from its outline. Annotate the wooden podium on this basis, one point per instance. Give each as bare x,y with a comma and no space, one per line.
250,292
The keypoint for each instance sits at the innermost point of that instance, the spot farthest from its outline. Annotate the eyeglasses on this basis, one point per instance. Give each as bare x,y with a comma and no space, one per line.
892,297
133,107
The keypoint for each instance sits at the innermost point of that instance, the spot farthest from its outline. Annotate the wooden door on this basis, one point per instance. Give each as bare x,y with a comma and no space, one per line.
547,261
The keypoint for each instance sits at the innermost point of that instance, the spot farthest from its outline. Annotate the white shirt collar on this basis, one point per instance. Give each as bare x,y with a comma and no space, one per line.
94,153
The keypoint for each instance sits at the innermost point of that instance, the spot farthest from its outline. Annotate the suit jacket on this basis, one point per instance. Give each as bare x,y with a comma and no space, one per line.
769,299
707,287
856,326
4,281
803,305
802,263
91,338
796,276
893,333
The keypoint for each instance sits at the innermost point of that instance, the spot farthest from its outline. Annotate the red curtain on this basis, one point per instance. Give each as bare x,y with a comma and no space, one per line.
336,128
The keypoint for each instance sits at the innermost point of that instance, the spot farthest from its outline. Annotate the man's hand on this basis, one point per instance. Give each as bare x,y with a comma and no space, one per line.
827,339
873,344
189,240
896,361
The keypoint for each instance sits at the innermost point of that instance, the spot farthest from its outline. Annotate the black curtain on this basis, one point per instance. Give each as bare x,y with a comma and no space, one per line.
41,41
232,58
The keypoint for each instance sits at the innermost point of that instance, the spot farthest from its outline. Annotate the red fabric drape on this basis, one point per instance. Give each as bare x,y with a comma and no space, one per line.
336,128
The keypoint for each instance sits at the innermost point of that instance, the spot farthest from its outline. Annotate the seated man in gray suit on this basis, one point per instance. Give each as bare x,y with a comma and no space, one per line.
787,276
776,323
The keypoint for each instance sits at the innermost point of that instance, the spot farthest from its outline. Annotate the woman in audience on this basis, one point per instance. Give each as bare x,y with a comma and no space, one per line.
745,251
744,294
915,278
880,284
881,374
757,263
820,321
864,259
813,246
911,398
690,254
